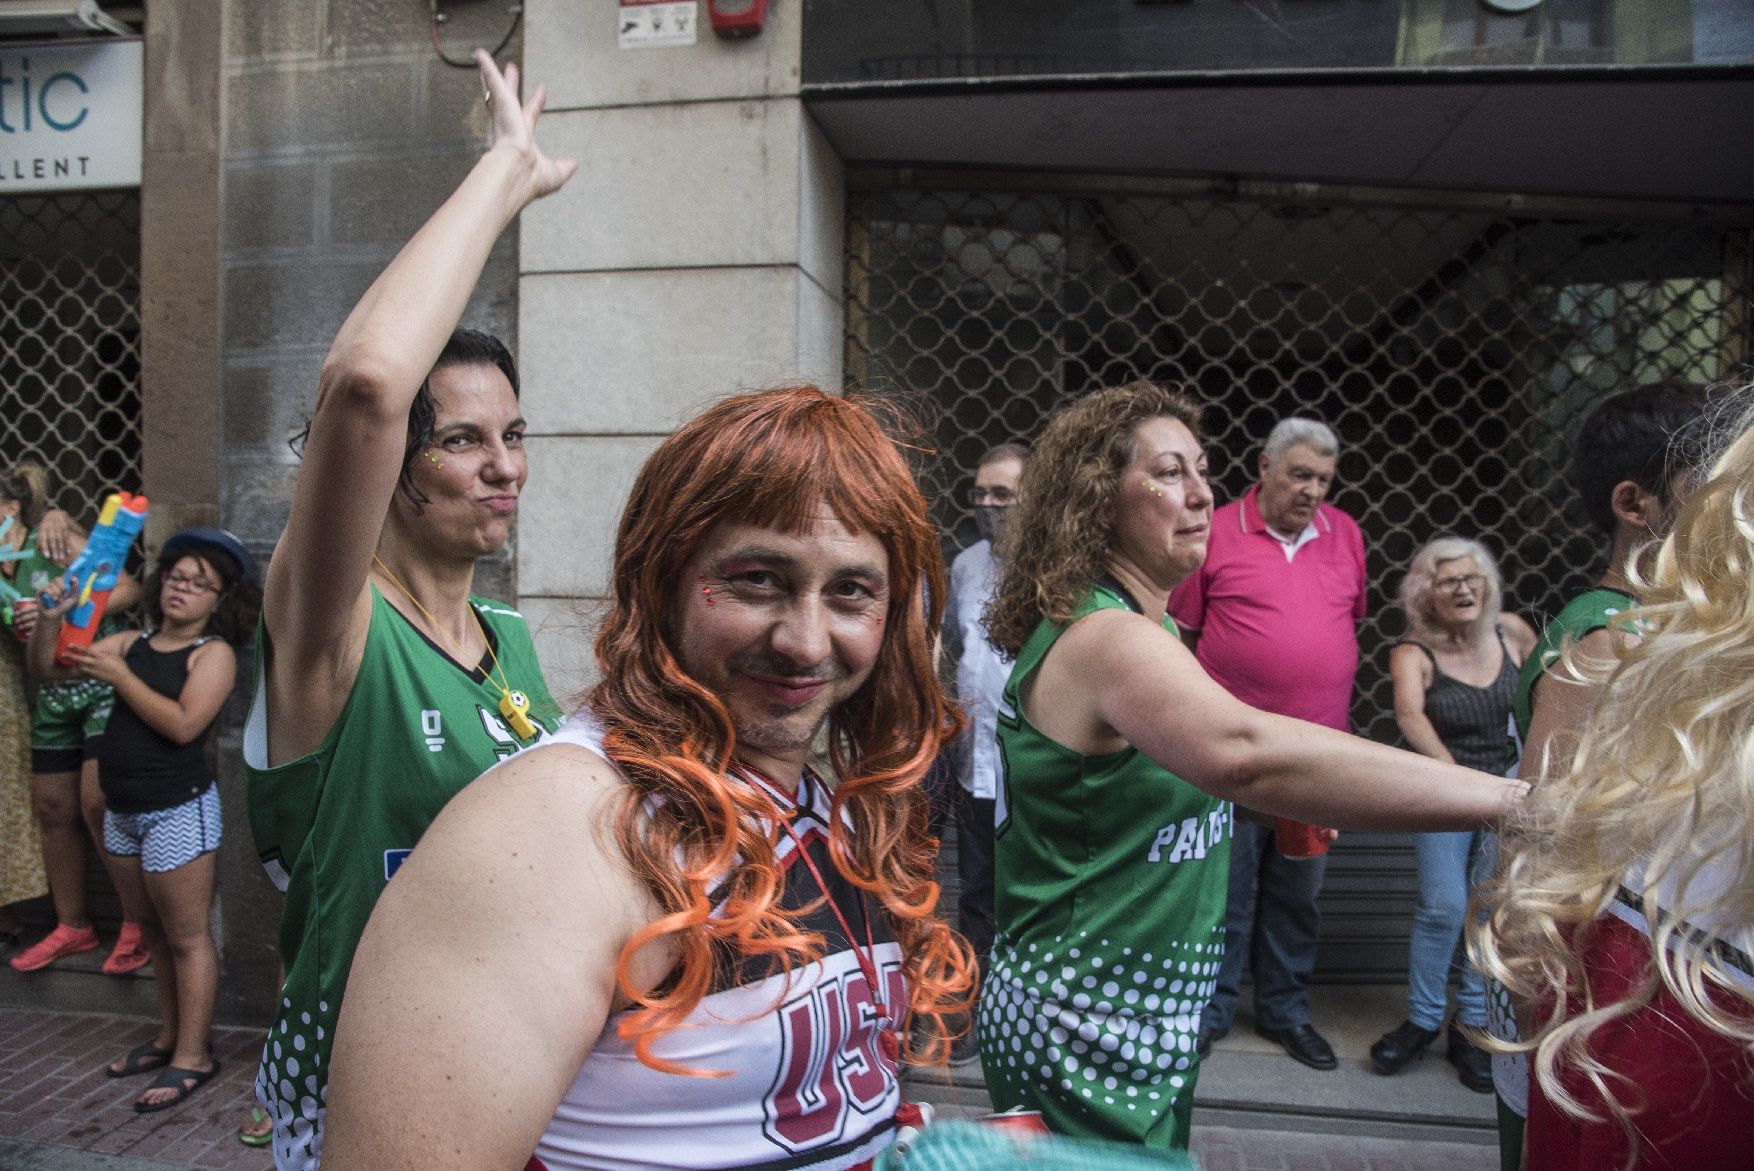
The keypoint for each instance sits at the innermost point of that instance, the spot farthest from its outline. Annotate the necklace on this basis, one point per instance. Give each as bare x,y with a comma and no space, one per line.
514,706
887,1039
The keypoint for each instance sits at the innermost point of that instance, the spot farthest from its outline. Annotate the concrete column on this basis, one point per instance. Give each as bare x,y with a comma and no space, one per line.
698,252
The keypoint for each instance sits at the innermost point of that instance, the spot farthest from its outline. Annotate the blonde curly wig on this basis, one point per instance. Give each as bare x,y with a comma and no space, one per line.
1659,796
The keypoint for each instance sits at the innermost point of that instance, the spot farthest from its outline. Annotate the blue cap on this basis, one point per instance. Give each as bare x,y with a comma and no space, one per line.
199,540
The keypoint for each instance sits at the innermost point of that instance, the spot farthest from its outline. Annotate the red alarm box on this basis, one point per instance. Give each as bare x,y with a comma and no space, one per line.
737,18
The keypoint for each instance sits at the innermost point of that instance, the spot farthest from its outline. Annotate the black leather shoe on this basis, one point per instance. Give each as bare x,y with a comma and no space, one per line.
1395,1048
1208,1036
1304,1044
1473,1064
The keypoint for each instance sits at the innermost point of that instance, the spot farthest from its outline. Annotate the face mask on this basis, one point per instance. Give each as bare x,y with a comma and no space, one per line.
989,518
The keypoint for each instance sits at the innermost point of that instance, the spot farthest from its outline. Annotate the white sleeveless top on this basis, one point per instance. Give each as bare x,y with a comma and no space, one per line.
808,1085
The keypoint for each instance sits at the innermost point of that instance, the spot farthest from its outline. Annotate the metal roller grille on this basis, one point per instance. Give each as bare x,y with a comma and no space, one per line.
1452,352
70,342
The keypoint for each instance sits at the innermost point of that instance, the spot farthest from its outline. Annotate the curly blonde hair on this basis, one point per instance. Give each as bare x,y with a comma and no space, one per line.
1416,587
1057,538
1660,789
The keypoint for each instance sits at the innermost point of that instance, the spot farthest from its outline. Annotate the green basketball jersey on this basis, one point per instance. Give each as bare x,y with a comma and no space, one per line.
1109,890
333,826
1583,615
65,713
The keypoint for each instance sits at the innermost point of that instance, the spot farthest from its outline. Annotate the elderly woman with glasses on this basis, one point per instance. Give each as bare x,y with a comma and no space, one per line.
1455,675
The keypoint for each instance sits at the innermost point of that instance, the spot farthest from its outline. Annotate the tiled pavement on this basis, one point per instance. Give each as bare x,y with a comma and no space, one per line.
54,1094
58,1112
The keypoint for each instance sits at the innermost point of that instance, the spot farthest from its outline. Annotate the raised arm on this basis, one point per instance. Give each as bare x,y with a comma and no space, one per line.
486,973
1144,685
315,603
1411,672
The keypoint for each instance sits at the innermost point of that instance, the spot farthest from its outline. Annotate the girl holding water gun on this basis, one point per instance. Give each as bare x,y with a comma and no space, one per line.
162,824
60,722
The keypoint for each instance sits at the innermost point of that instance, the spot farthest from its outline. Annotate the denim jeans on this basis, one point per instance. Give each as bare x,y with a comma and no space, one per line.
1276,896
1446,862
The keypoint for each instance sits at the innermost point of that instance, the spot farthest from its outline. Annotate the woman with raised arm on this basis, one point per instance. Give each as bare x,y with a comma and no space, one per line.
382,686
1122,758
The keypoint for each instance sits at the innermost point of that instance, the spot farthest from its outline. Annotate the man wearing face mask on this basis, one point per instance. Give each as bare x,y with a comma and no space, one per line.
981,672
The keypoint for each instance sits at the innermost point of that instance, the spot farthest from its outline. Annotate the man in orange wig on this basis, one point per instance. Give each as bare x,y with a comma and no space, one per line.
660,938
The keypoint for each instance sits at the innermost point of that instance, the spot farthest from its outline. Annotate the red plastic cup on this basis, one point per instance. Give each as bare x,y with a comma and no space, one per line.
1295,839
1020,1120
20,607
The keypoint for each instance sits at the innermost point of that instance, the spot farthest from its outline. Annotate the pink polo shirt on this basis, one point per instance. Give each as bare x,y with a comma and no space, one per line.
1279,635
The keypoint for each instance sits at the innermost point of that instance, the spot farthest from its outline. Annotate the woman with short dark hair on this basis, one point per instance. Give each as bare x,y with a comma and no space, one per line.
383,685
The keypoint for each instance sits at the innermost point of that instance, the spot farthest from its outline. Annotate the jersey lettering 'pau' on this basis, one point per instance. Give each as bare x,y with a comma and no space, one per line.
1191,837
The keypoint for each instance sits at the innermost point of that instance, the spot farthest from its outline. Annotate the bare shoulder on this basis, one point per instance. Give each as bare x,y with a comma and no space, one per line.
215,651
1410,656
1518,633
544,822
544,791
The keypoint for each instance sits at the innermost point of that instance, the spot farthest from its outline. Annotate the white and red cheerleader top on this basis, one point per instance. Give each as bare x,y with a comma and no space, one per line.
810,1085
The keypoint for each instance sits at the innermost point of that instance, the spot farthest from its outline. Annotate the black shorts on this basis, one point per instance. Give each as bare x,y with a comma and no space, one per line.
62,760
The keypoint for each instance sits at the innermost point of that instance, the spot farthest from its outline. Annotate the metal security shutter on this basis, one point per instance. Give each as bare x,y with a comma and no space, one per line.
70,341
70,364
1452,347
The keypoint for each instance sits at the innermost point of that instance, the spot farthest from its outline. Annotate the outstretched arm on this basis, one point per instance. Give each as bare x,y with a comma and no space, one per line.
1147,688
487,973
316,606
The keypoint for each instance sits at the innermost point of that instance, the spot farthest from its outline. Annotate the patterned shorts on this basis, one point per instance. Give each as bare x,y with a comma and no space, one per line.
67,717
166,838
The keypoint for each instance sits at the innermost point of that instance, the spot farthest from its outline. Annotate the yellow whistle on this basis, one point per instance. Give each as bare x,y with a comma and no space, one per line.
514,707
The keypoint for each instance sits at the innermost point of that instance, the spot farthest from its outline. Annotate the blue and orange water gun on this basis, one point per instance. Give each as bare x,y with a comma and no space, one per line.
93,573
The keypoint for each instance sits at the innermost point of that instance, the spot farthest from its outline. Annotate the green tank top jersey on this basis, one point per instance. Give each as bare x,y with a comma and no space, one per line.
65,713
333,826
1110,883
1582,616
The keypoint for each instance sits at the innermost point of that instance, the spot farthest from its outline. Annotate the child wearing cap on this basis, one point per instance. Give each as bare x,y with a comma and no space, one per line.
162,822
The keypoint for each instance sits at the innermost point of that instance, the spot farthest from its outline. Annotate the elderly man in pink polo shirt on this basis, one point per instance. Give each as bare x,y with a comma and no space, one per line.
1273,616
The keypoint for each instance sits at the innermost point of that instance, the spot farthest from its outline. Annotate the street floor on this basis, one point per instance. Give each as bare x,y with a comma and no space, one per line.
59,1112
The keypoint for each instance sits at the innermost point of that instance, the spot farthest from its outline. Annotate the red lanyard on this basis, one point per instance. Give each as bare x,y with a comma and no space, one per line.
868,958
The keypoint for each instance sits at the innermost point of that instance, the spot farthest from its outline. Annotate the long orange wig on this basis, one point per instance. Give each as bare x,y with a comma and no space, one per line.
771,459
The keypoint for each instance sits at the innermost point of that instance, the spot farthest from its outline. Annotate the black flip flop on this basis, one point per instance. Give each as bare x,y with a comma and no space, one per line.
141,1059
173,1078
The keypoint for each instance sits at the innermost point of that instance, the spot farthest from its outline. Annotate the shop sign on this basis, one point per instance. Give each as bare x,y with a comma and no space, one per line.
70,116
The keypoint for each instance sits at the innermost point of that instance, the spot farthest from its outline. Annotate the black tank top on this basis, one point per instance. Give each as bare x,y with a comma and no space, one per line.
139,769
1471,721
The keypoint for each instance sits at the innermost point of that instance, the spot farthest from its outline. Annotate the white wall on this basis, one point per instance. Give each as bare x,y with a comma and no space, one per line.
696,253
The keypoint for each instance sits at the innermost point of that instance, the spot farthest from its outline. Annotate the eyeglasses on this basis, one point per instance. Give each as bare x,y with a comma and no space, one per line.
195,585
1472,581
979,496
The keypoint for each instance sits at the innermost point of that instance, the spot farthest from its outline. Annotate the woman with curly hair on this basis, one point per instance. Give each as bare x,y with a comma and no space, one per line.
1454,673
1623,915
663,939
1122,759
